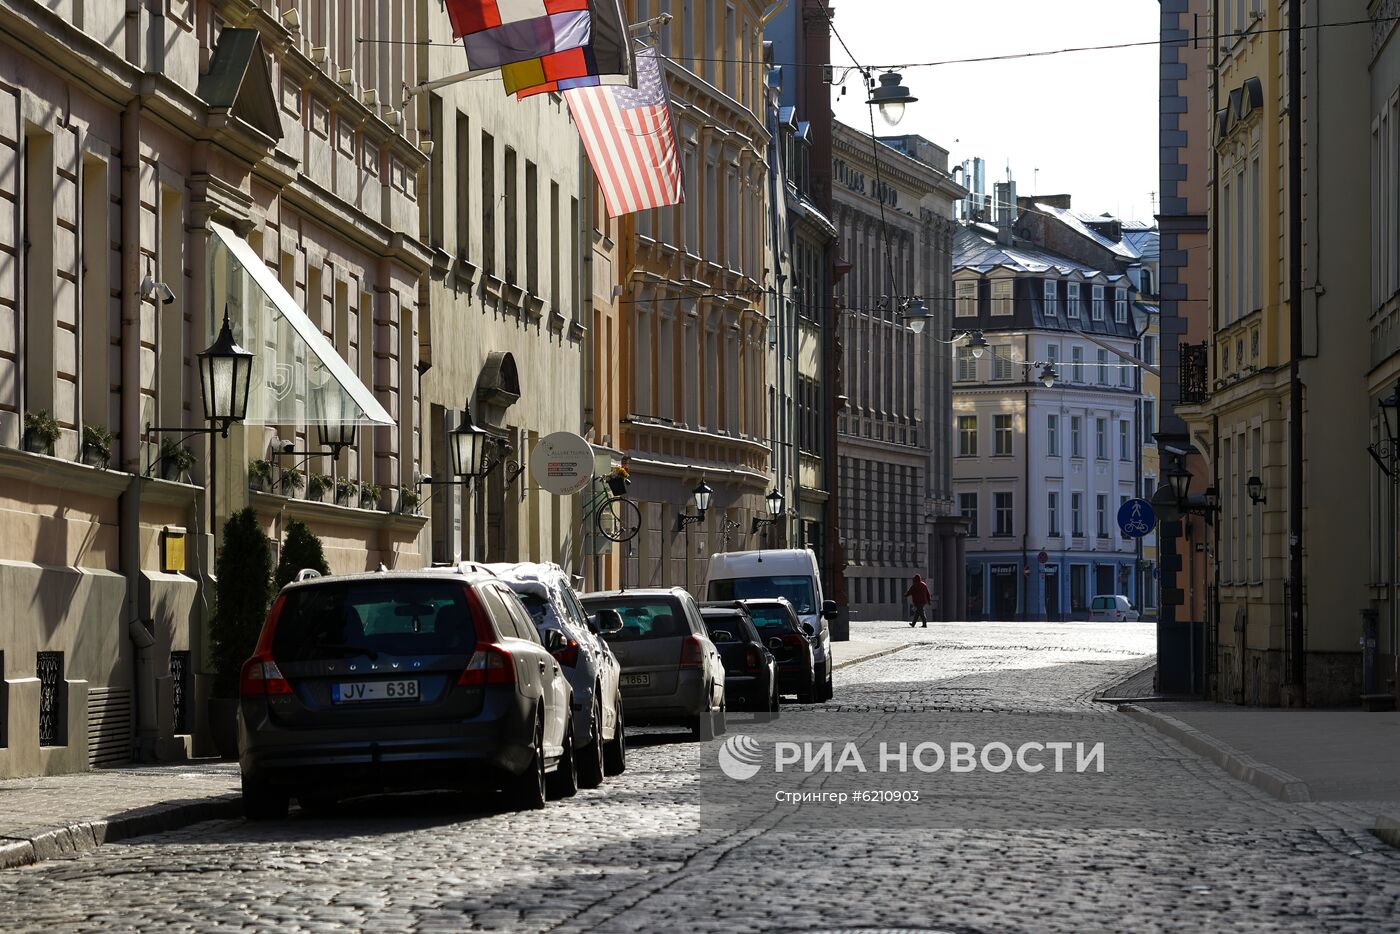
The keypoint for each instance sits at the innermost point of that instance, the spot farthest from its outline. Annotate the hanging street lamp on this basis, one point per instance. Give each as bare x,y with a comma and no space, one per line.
916,315
1048,375
978,345
891,97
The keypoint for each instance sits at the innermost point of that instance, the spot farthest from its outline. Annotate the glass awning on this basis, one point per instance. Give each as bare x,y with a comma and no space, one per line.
298,376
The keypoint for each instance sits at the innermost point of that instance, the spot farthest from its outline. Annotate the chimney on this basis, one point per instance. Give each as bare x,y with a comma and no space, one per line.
1005,195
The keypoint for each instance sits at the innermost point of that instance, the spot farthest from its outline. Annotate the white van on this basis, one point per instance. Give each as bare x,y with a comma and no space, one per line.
790,573
1112,609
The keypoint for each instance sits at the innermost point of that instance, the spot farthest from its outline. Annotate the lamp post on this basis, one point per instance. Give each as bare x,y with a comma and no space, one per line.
702,496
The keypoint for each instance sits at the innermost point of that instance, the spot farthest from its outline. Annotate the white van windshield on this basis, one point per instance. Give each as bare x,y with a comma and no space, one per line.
798,590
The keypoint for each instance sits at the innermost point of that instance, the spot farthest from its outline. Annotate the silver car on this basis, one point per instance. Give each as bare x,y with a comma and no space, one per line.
672,674
589,664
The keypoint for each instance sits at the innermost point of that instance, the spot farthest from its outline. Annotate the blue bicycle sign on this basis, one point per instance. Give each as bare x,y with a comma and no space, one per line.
1136,518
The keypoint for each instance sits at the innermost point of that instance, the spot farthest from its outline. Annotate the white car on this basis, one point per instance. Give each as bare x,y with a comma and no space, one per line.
1115,609
589,664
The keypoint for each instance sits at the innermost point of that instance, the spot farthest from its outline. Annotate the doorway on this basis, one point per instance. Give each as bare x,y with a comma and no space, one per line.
1003,591
1050,584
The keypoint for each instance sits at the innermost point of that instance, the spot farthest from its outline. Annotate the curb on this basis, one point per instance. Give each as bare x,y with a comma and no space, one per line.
1101,695
1266,778
1387,830
86,836
865,658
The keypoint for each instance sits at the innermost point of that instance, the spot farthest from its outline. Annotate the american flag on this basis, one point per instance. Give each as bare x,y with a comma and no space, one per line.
629,138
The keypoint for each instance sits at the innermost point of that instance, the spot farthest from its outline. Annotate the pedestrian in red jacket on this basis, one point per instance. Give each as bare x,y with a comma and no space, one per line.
918,594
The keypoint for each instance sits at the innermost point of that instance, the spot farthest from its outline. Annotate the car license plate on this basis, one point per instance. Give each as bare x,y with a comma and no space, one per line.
636,681
348,692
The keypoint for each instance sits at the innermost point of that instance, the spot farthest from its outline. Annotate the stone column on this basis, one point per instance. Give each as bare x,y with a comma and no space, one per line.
955,598
960,568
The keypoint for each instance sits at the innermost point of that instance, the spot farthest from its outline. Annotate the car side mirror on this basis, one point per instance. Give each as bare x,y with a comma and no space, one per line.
609,622
808,630
592,623
829,610
555,641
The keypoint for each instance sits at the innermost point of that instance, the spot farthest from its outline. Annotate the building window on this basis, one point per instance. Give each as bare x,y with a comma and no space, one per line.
967,365
967,298
1149,418
1052,297
1101,438
1101,501
1004,509
967,506
1076,440
1125,375
967,435
1076,514
1052,435
1001,434
1076,356
1001,362
1072,300
1125,442
1120,306
1001,296
1053,512
1097,311
1149,350
1102,358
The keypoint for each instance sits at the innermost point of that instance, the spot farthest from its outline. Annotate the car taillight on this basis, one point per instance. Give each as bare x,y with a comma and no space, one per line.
491,664
262,678
692,653
795,640
753,659
568,655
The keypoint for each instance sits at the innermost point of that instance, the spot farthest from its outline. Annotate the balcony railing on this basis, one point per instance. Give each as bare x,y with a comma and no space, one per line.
1195,374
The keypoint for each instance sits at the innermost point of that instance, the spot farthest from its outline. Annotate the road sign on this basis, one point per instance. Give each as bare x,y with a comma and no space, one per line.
1136,518
1043,557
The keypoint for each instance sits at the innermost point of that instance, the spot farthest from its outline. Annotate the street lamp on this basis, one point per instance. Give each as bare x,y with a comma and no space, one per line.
333,430
1048,375
225,376
916,315
978,345
702,495
1179,478
891,97
774,503
1255,487
467,447
1212,499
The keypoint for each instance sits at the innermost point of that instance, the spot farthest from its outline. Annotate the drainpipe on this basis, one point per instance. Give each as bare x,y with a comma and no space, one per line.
140,631
1297,673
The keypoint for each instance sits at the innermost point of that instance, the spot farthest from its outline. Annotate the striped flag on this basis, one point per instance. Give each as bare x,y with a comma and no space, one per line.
469,16
605,59
630,140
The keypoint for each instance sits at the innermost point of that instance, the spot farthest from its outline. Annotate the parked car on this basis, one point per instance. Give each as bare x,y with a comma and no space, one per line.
782,631
789,573
402,680
672,674
1112,609
750,671
589,664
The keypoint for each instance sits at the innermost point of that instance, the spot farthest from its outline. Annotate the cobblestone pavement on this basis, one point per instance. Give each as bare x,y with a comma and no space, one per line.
1202,852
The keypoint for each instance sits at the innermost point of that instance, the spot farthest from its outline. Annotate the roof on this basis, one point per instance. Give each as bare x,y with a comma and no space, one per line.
976,247
1145,238
640,592
1081,224
465,572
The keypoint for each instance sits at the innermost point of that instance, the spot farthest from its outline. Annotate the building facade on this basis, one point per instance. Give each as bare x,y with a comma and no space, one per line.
693,282
1042,472
894,213
245,159
1283,418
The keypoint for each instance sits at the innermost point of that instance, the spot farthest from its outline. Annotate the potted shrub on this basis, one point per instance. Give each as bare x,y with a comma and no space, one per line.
316,486
301,549
619,479
241,596
175,459
369,495
260,475
344,489
97,446
291,481
409,501
41,432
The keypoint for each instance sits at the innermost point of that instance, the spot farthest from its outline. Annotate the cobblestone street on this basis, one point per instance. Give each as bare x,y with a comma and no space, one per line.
1205,852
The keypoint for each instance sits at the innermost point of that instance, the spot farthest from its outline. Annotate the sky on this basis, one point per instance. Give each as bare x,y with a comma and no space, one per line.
1086,120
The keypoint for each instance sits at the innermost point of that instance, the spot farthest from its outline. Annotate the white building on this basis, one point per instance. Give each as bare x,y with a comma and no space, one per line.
1041,473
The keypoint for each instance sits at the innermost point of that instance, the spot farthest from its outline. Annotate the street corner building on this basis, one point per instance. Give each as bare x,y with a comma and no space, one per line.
157,174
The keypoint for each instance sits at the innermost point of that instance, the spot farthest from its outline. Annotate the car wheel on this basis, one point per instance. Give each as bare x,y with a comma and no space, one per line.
262,802
563,783
805,697
702,728
590,762
529,792
720,719
615,752
774,702
828,692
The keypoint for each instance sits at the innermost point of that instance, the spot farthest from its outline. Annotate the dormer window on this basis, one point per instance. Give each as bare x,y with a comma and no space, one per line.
1098,310
1052,297
967,298
1001,296
1072,302
1120,306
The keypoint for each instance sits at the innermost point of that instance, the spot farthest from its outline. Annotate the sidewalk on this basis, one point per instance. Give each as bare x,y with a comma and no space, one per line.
849,653
1295,755
41,818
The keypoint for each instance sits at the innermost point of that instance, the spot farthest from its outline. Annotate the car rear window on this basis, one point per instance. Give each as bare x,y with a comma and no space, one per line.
400,617
771,619
797,590
643,618
725,628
